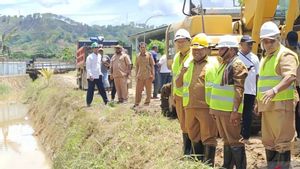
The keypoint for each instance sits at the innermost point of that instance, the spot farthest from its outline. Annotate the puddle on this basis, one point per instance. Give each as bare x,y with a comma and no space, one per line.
19,149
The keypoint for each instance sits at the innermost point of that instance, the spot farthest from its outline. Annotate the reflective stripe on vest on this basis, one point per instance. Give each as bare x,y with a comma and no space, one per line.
268,77
210,74
176,68
222,97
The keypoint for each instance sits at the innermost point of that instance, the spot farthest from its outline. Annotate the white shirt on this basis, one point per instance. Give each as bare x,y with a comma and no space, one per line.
164,66
250,60
93,66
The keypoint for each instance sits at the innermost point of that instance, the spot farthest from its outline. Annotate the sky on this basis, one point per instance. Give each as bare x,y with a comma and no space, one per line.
104,12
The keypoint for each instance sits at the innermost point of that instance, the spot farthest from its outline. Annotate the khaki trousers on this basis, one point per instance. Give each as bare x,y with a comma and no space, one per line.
121,88
180,113
278,130
201,126
229,133
140,84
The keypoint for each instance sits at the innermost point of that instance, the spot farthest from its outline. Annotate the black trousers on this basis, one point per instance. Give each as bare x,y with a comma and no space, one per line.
247,115
91,88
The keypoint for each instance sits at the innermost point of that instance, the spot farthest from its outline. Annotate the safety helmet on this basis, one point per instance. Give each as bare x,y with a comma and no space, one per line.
94,45
269,30
228,41
182,34
200,41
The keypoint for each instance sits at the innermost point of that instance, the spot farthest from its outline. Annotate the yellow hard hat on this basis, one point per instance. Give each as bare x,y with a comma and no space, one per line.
200,41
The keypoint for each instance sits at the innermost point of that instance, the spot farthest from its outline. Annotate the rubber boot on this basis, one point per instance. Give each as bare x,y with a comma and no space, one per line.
187,146
239,156
284,160
228,160
271,158
198,151
209,155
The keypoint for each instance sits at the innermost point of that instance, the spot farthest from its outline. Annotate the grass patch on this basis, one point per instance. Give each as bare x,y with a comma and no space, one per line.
4,89
101,136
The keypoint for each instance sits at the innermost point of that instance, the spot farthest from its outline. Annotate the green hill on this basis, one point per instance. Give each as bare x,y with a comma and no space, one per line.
49,35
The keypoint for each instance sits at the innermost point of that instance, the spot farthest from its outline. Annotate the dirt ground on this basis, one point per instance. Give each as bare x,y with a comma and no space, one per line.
255,150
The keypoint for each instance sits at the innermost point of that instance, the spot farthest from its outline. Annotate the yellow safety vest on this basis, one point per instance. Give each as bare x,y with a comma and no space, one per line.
211,68
176,68
268,78
222,96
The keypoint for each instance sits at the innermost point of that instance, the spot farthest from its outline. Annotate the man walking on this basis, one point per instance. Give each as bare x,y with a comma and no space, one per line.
120,70
226,102
144,75
196,80
94,75
276,96
252,63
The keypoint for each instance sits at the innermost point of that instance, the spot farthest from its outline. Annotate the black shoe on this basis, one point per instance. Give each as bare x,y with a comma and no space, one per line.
134,106
239,156
88,105
284,160
187,145
209,155
198,150
271,158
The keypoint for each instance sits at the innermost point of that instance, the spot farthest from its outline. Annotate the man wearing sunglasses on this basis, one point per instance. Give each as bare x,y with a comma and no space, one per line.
276,96
252,63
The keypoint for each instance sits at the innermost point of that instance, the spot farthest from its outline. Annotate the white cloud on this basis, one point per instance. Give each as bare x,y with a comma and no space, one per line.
50,3
99,11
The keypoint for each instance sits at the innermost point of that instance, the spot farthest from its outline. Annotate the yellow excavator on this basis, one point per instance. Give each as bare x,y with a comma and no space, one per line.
220,17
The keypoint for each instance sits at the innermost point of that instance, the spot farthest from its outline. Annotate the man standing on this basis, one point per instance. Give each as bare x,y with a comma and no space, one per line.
276,96
252,63
94,75
226,101
165,72
144,75
292,43
120,70
196,80
183,42
105,63
156,70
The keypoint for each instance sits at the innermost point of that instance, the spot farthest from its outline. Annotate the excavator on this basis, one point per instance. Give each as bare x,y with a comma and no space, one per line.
221,17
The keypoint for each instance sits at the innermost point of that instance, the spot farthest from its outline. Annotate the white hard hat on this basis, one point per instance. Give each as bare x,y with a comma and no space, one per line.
228,41
268,30
182,34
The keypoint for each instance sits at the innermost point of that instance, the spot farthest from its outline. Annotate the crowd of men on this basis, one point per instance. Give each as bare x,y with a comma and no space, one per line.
215,96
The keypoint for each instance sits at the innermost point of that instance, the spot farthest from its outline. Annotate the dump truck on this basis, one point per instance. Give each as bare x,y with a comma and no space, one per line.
217,18
84,49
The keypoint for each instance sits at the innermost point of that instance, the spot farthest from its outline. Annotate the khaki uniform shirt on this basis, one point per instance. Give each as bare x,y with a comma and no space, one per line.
287,66
240,73
119,66
197,87
144,66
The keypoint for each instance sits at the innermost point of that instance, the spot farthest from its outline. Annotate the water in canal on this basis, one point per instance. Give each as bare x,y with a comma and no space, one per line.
19,149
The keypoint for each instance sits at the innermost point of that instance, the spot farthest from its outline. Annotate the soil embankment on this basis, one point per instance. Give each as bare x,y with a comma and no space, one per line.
76,136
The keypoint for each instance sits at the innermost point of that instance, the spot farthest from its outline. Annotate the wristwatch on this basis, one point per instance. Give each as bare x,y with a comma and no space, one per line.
275,90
